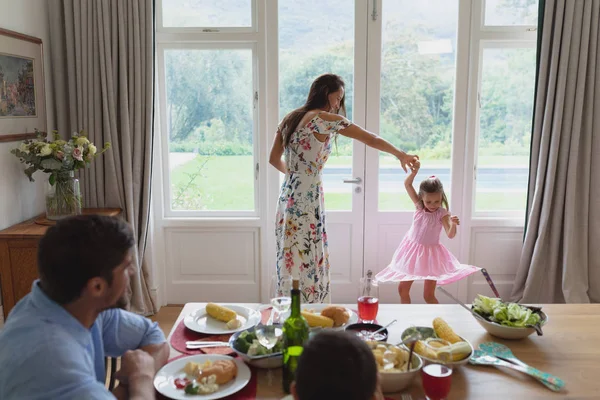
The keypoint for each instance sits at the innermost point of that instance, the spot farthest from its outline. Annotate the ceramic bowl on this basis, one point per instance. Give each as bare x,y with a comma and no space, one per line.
426,333
360,328
509,332
395,381
274,360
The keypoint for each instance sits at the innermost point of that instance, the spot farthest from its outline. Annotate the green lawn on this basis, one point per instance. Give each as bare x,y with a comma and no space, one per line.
487,160
227,183
401,202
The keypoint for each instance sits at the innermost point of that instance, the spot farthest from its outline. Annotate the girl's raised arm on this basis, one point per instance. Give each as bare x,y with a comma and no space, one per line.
408,182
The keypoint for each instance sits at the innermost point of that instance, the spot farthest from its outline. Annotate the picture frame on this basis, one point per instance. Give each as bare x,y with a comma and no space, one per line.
22,86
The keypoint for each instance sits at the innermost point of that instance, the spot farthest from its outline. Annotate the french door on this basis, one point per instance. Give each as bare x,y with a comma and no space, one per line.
398,58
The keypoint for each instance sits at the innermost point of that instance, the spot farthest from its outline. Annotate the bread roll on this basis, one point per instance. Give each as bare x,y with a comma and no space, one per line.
338,314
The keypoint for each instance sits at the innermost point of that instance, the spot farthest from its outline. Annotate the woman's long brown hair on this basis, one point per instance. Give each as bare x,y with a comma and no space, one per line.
318,97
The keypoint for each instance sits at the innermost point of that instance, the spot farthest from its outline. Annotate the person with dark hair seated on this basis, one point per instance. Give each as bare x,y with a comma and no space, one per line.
55,340
336,365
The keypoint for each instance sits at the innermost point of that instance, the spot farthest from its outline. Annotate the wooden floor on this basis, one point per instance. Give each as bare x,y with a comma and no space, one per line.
166,317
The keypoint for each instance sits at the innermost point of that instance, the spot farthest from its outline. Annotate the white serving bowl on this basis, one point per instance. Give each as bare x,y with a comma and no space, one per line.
274,360
429,332
392,382
509,332
395,381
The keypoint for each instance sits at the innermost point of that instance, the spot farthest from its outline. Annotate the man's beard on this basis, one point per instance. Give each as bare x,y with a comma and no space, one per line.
122,302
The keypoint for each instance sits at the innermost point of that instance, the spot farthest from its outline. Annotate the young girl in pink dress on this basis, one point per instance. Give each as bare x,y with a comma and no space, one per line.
420,255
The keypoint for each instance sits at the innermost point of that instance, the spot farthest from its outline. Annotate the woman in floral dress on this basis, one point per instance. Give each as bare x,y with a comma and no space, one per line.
304,138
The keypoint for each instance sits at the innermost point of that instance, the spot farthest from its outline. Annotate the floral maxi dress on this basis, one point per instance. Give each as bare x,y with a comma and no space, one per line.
300,230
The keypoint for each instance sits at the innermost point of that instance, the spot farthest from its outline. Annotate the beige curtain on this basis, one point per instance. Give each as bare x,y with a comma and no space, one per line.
102,70
561,253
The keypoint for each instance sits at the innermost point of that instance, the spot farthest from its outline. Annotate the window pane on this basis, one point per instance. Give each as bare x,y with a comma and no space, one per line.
307,49
207,13
417,92
508,78
511,12
210,127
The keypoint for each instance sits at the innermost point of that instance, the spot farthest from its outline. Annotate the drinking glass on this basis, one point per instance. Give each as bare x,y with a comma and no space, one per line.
281,295
368,298
436,379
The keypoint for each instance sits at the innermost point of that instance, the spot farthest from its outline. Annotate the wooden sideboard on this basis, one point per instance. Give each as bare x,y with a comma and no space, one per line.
18,256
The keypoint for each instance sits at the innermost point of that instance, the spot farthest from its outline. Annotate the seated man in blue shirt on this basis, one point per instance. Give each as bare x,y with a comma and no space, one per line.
55,339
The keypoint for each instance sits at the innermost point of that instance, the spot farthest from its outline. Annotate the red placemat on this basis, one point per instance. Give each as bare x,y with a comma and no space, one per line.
181,334
247,393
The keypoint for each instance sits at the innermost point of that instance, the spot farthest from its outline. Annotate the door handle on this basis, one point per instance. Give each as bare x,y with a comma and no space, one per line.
355,181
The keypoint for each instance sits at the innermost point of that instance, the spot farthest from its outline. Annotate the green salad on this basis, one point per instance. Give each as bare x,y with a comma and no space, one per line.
508,314
249,344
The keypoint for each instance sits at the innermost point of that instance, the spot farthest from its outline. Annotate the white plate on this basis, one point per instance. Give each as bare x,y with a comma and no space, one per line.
317,308
200,322
164,379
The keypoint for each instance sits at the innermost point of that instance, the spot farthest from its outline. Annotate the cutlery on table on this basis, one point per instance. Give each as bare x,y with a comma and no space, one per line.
201,344
372,334
551,382
460,303
502,352
488,278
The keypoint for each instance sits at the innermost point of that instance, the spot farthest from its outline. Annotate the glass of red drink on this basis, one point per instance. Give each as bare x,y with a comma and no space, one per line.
368,298
436,380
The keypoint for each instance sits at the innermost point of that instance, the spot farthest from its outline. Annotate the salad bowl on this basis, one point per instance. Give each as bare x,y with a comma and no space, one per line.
507,320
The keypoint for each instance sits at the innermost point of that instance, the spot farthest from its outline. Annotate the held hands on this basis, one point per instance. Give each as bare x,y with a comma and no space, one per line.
407,160
414,168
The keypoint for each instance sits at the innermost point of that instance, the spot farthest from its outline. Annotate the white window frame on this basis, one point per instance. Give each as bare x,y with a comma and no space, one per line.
222,38
516,29
168,211
207,29
483,37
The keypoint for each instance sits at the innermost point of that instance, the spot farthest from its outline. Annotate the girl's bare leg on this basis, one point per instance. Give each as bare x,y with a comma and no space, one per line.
429,292
404,291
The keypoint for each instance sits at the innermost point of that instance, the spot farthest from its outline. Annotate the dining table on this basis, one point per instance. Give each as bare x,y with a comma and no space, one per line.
569,348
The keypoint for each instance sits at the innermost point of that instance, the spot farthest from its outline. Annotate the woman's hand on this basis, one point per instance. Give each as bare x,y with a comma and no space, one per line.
414,168
407,160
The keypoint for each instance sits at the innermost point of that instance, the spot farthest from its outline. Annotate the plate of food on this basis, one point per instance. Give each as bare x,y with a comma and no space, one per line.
328,316
392,363
440,344
202,376
219,319
247,346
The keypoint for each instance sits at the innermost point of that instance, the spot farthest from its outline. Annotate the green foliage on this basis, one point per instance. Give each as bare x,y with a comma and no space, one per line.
209,92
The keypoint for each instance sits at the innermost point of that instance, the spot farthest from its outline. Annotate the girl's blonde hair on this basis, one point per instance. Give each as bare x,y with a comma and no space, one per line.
432,185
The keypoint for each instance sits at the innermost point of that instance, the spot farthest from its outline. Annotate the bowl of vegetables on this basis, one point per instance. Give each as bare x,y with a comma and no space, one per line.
440,344
507,320
246,345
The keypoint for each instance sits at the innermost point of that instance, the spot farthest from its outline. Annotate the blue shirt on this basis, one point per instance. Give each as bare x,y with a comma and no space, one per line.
45,353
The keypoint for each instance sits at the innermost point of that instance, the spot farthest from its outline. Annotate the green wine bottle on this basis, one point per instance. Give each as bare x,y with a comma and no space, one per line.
295,334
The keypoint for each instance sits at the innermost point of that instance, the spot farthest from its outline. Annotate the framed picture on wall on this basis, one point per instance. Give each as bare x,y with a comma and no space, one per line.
22,96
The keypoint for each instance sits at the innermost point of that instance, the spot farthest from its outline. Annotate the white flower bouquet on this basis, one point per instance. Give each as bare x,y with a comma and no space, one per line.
59,158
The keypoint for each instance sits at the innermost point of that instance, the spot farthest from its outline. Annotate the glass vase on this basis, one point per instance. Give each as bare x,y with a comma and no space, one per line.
63,196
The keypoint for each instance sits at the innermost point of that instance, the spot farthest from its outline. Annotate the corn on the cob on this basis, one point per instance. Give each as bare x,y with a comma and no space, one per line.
443,331
317,320
456,352
220,313
422,349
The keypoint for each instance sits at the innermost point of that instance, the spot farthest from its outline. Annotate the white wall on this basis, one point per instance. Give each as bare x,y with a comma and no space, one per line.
19,198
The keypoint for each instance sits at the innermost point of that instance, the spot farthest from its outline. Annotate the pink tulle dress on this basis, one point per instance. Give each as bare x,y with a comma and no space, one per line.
421,256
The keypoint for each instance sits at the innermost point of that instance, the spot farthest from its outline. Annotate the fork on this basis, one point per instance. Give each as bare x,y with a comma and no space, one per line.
406,397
